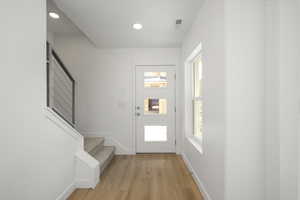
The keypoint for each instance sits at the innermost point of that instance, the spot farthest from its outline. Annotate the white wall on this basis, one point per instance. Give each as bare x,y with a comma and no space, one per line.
288,97
298,40
282,126
37,157
244,99
105,79
50,37
232,166
208,29
272,148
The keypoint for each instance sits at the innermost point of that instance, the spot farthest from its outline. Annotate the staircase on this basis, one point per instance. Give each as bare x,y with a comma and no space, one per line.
95,147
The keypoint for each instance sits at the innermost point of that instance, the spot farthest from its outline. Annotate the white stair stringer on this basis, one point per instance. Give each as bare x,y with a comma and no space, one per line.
87,172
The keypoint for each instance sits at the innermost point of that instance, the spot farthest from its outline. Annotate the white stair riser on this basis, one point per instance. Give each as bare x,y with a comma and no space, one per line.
106,163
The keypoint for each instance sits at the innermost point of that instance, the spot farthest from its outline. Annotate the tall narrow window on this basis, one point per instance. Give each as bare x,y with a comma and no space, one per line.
197,96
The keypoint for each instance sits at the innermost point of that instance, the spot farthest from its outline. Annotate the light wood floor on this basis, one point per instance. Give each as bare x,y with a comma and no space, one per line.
143,177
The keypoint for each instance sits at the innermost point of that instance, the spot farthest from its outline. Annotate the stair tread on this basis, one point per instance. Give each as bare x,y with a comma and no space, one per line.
104,154
92,142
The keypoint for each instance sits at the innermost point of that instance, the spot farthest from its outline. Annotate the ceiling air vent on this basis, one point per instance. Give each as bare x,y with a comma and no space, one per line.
178,21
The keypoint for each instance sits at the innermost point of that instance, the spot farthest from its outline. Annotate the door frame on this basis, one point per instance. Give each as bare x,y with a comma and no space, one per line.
133,110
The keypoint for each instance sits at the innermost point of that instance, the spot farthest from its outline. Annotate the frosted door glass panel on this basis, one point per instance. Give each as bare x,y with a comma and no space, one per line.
155,79
155,106
155,133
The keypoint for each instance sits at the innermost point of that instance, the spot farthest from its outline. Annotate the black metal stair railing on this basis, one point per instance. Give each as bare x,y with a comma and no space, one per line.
60,87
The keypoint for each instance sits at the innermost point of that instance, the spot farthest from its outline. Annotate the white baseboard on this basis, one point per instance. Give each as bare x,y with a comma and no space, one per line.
86,184
67,192
120,149
196,178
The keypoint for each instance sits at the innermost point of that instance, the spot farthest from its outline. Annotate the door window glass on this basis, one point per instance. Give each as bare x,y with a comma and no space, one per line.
155,79
155,133
155,106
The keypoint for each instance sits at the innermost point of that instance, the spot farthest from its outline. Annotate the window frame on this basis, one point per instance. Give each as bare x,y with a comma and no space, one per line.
196,141
196,98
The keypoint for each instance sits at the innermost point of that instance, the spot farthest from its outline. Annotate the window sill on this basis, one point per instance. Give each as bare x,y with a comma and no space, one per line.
197,143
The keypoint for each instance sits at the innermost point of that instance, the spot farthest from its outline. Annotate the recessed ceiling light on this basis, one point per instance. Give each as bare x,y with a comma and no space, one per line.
54,15
137,26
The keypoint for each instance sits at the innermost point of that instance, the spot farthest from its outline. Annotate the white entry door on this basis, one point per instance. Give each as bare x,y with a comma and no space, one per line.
155,109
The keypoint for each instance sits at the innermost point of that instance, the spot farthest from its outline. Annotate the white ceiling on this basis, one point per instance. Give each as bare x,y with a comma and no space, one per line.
62,26
108,23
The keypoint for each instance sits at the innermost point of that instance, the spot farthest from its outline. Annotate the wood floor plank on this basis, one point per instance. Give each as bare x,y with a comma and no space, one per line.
79,194
143,177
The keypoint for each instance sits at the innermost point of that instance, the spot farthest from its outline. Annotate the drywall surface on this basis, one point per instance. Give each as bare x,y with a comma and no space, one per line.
282,99
209,166
245,100
272,148
37,157
288,96
105,87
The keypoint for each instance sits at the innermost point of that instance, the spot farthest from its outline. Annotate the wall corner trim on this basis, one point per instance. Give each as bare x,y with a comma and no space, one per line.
196,178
